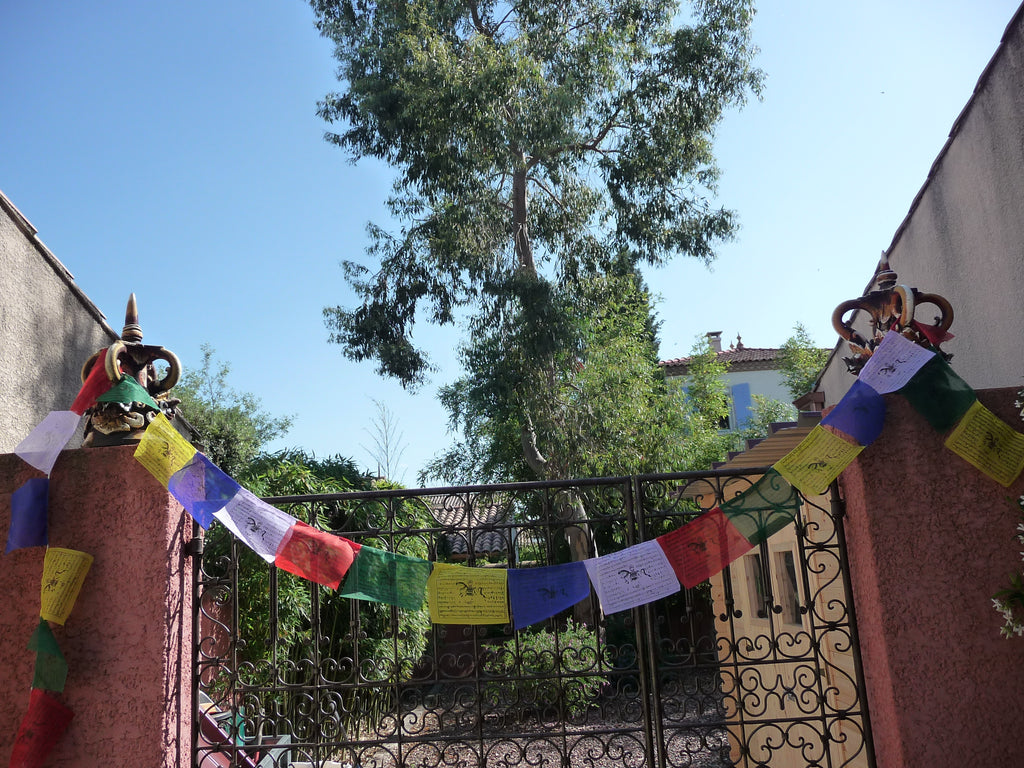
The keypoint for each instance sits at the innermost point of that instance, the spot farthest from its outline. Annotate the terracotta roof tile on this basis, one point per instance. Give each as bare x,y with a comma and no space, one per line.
731,357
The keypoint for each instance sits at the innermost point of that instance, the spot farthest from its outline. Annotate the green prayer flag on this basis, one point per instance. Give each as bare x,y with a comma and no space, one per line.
768,506
43,640
127,390
51,670
387,577
938,394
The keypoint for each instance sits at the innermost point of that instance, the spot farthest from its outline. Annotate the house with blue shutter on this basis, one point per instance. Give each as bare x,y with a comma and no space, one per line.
751,371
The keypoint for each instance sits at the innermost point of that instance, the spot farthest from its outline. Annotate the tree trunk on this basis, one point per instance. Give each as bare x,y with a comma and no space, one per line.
570,510
520,229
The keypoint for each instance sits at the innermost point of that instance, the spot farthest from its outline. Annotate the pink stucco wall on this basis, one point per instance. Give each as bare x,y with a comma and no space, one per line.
127,642
930,540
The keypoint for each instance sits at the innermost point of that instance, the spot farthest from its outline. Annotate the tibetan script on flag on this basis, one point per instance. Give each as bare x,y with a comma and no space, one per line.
64,572
460,595
162,450
817,460
315,555
259,526
990,444
703,547
537,593
894,363
630,577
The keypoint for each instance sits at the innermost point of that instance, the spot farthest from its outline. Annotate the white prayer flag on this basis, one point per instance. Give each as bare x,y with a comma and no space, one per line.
259,525
631,577
894,363
44,443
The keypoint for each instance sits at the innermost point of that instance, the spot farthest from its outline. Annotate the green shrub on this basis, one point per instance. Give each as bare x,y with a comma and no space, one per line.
553,672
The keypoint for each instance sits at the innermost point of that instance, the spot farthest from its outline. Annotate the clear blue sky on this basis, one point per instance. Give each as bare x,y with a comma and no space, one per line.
173,150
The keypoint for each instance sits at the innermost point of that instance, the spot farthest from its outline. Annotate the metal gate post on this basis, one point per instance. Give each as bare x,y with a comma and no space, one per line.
837,508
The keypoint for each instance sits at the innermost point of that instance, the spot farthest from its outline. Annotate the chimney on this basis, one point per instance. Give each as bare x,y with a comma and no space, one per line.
715,340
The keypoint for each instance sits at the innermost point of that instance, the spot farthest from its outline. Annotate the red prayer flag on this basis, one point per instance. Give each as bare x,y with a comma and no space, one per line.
932,332
96,383
315,555
41,728
703,547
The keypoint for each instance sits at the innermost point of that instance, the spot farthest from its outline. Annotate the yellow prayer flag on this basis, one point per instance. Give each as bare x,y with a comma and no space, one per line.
162,450
64,571
983,439
460,595
817,460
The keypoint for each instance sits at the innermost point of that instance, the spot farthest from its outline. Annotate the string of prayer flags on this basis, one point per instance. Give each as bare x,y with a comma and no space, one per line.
43,444
202,488
387,577
860,414
983,439
40,730
51,670
938,394
315,555
632,576
28,515
259,525
128,390
703,547
894,363
460,595
162,450
96,383
64,572
536,594
765,508
817,460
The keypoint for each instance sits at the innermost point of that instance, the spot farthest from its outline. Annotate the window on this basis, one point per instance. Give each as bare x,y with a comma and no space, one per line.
789,590
755,586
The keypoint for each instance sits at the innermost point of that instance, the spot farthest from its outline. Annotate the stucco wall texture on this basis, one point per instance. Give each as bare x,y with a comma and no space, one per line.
128,639
963,237
48,329
930,540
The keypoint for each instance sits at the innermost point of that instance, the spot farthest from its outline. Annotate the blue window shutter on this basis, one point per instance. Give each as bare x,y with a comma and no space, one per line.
741,404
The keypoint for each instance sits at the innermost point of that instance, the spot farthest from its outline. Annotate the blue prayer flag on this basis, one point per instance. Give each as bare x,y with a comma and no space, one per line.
28,515
202,488
538,593
860,414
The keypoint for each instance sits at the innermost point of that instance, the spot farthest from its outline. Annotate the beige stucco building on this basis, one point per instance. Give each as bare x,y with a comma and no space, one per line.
751,371
48,329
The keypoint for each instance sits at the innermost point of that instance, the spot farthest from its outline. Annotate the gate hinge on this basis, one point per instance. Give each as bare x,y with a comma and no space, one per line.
194,548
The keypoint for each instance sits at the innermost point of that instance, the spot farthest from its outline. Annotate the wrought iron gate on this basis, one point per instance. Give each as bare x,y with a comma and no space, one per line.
760,667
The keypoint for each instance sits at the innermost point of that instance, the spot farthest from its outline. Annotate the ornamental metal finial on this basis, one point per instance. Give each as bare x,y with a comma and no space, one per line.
892,307
116,423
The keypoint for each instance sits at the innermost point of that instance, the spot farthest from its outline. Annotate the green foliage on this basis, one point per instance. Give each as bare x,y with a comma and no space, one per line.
390,640
233,426
1009,601
536,656
765,412
705,408
597,402
801,362
542,150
